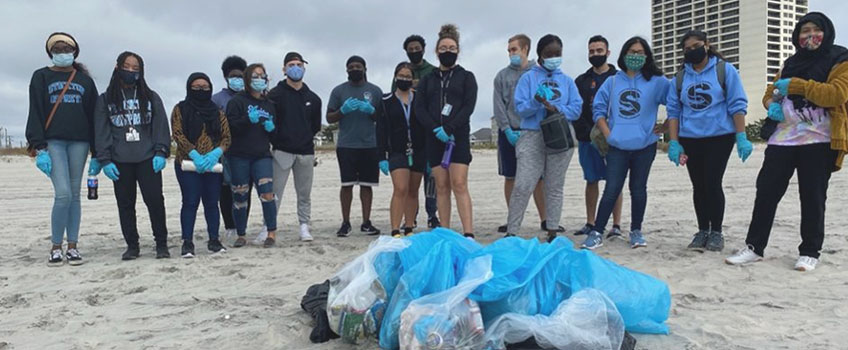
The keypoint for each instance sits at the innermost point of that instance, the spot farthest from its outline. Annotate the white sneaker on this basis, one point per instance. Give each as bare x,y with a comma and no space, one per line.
304,233
743,256
806,263
261,236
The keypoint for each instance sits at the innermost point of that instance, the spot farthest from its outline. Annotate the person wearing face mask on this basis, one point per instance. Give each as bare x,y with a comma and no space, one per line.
299,109
445,102
593,163
202,134
133,142
543,92
251,118
401,142
354,105
706,117
625,109
808,103
60,131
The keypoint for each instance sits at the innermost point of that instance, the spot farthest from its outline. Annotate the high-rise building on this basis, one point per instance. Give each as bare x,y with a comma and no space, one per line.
754,35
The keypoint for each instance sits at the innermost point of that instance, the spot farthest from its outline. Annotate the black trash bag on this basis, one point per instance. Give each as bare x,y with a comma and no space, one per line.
629,343
314,302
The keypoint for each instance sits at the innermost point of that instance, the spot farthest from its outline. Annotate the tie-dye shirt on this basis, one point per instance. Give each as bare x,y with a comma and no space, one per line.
802,126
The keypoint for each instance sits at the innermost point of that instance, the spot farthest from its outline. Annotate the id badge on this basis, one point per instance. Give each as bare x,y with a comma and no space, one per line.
447,109
133,135
409,153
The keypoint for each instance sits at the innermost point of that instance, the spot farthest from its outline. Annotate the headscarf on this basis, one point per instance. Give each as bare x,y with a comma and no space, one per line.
198,110
815,64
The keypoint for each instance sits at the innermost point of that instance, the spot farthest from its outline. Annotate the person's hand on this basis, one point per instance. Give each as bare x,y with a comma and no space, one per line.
543,92
366,107
94,167
195,156
43,162
349,105
384,167
441,134
775,112
660,129
268,125
674,152
744,147
253,114
215,155
512,135
111,171
782,86
158,163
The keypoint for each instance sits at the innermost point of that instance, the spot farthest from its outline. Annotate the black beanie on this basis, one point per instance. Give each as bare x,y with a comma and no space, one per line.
355,58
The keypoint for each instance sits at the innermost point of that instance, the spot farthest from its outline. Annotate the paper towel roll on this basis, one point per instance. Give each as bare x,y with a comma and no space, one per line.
188,165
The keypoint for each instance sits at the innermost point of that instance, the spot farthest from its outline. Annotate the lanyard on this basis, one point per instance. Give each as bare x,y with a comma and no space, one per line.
407,110
126,115
445,85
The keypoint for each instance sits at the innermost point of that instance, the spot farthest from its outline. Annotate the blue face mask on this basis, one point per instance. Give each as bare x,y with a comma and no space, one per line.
552,63
515,60
258,84
295,73
236,84
63,59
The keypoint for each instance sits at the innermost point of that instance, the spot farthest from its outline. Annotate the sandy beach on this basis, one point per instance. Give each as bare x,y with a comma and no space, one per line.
249,298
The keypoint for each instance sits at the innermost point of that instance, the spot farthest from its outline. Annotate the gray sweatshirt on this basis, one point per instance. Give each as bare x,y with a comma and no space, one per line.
504,106
112,125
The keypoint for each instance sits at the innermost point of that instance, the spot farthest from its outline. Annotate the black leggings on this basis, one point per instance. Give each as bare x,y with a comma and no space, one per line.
706,165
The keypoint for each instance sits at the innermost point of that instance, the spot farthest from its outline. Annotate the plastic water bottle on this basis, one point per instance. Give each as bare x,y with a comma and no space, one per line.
92,187
446,157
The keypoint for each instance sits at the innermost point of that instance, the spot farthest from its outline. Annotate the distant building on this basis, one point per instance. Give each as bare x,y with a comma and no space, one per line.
482,136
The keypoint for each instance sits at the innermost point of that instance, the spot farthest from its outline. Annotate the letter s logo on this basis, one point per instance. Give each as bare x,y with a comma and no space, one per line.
698,96
628,103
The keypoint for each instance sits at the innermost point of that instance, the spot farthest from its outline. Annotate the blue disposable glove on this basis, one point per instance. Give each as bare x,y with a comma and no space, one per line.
209,160
674,152
268,125
384,167
253,114
775,112
43,162
441,134
195,156
366,107
782,85
111,171
158,163
350,105
743,147
512,135
94,167
215,155
544,92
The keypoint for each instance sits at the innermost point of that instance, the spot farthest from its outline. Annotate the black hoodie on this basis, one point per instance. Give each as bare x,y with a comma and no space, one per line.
457,87
249,140
297,116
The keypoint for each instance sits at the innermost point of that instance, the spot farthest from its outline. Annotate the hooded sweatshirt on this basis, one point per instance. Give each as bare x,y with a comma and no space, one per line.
504,96
249,140
703,110
633,111
298,115
457,87
221,98
566,97
112,124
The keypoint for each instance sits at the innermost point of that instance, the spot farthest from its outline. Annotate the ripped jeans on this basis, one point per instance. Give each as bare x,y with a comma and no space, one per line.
260,173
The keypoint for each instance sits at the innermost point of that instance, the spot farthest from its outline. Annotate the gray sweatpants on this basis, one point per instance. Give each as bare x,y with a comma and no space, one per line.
533,164
302,166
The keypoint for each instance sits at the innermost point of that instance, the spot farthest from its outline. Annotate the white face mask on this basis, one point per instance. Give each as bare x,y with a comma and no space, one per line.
63,59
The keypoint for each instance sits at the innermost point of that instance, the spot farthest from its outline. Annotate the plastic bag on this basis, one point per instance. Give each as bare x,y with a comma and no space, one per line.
588,320
357,300
448,319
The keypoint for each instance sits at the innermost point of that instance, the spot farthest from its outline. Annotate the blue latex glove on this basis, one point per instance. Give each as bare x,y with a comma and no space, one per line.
384,167
111,171
782,85
209,160
674,152
350,105
215,155
775,112
43,162
94,167
159,163
268,125
512,135
743,147
545,92
253,114
441,134
366,107
195,156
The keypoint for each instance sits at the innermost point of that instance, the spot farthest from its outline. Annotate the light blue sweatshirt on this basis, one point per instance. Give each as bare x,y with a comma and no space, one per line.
703,110
566,96
634,109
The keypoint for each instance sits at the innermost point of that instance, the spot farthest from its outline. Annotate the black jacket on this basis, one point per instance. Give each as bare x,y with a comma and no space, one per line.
249,140
460,92
587,86
393,132
297,117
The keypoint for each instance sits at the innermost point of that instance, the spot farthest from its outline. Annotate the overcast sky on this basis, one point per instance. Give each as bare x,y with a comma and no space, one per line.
176,38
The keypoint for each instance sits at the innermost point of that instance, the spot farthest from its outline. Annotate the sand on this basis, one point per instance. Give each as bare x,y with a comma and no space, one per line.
249,298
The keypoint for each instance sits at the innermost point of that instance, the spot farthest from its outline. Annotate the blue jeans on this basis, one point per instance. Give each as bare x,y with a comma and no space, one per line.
619,162
260,173
68,159
194,188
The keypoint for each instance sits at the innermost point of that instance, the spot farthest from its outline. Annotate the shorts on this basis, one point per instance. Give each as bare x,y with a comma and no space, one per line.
507,161
461,150
401,161
359,166
594,166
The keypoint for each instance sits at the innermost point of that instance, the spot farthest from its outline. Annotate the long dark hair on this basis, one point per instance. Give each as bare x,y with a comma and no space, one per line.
114,93
248,75
701,36
650,69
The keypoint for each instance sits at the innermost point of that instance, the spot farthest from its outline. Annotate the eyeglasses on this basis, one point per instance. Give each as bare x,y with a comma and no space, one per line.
443,49
257,76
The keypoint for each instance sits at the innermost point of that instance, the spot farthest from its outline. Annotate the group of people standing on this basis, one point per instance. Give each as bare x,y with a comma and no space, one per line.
248,135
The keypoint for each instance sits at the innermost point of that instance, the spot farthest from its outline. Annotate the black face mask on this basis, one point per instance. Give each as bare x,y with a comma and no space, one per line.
128,77
355,75
200,95
403,85
598,61
448,59
415,57
695,56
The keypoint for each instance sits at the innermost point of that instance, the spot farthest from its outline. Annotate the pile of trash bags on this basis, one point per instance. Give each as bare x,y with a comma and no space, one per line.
439,290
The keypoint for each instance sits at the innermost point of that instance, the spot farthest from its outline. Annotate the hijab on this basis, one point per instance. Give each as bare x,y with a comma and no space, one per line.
198,111
814,64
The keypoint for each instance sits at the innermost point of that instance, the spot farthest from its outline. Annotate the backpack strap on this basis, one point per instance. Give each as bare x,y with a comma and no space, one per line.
679,82
721,74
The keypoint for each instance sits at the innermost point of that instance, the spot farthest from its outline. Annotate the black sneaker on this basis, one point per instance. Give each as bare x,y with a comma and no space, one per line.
615,232
469,236
503,228
699,242
162,252
551,236
583,231
215,246
433,222
407,231
509,235
240,242
132,253
187,250
73,256
344,231
55,258
559,229
369,229
396,234
715,242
